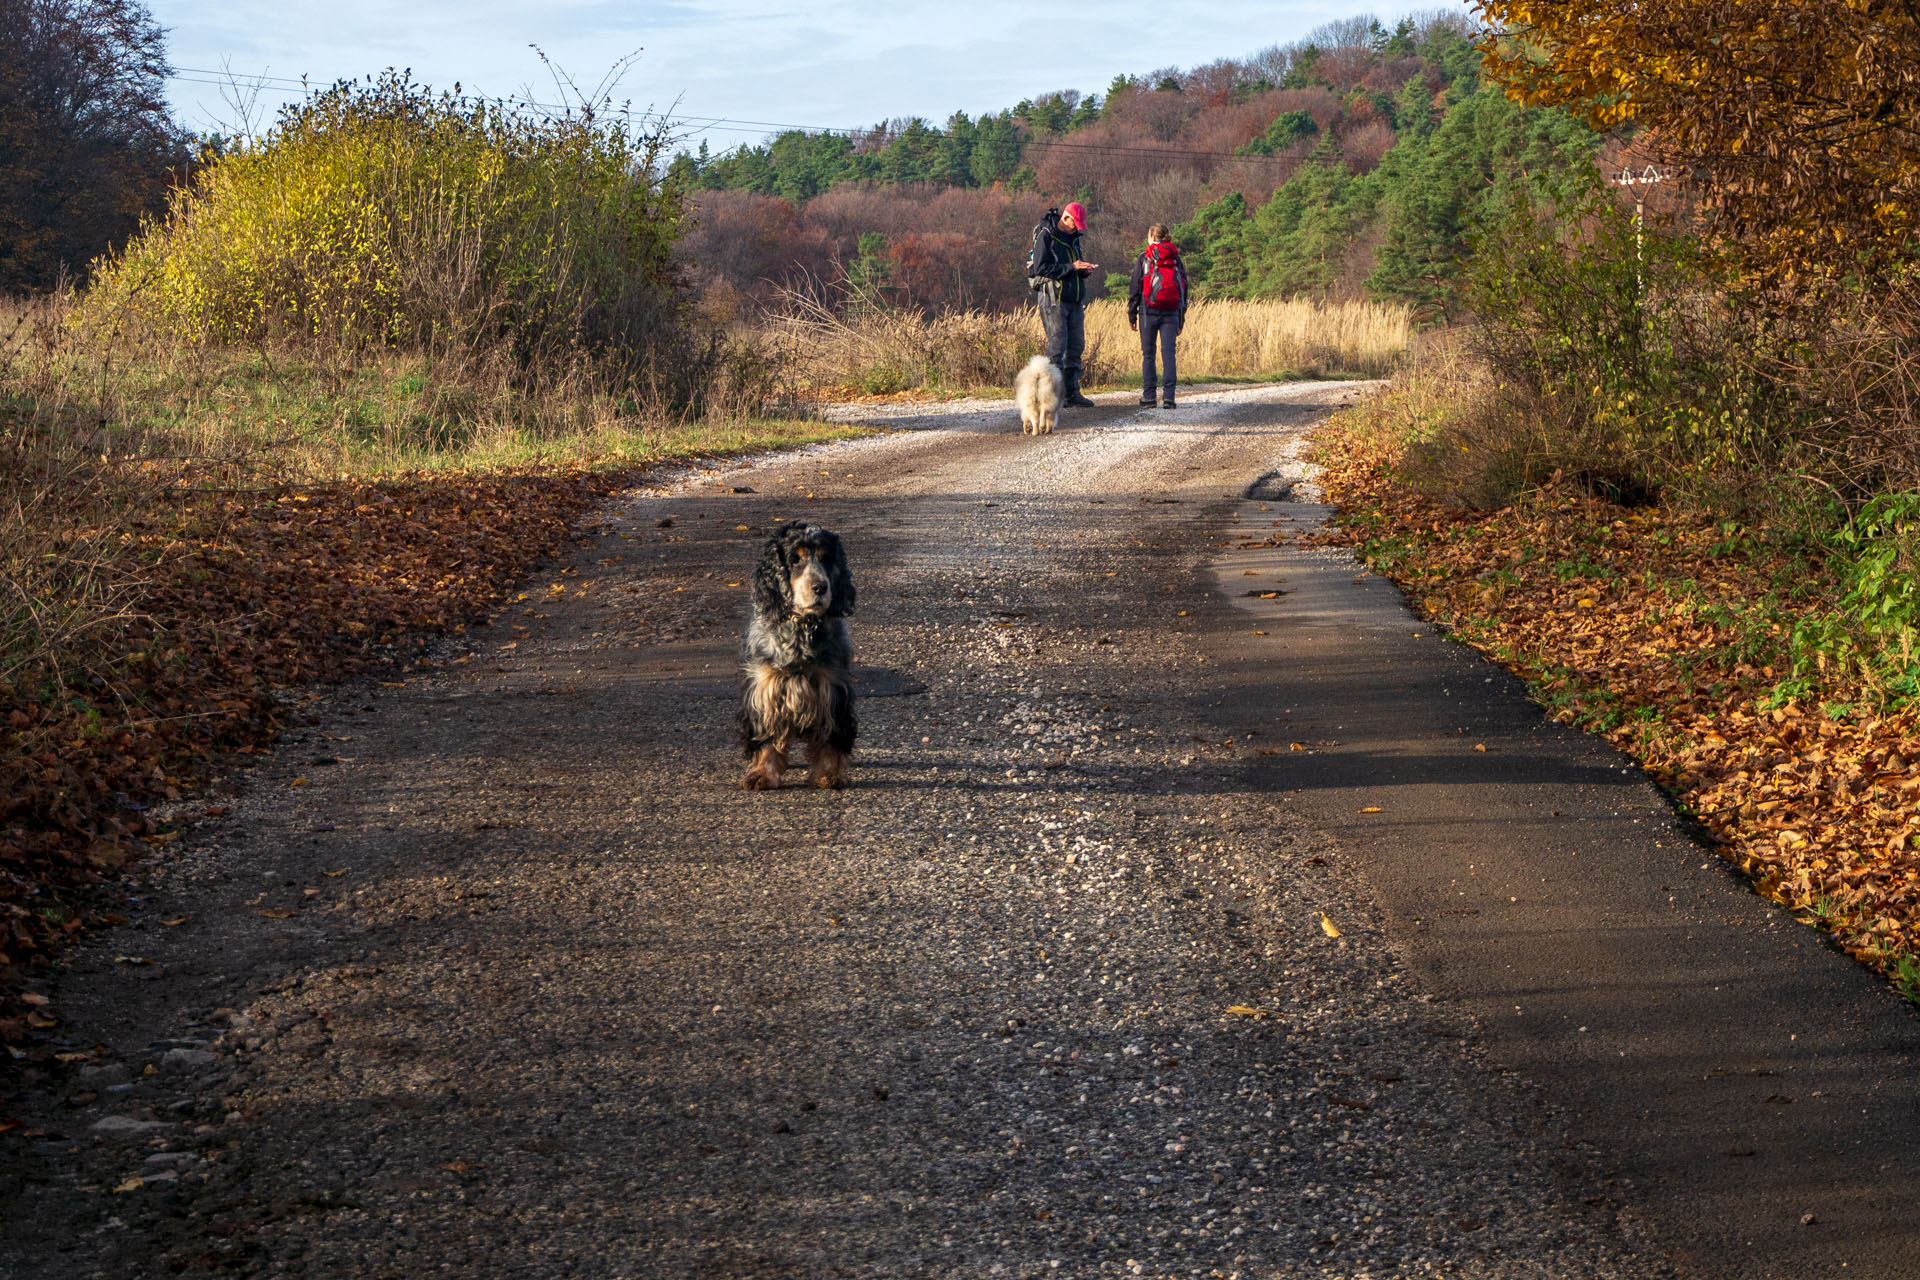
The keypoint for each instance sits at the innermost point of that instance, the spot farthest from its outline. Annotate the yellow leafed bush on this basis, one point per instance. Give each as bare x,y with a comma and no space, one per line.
387,215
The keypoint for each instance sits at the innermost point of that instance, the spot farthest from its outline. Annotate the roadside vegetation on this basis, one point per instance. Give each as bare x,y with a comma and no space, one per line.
1669,471
854,350
348,382
275,408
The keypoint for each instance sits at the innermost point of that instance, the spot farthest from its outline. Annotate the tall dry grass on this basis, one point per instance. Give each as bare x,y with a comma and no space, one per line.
104,425
65,493
1297,336
313,413
879,351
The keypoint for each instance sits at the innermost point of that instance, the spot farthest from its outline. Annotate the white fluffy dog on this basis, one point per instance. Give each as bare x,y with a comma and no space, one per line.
1038,390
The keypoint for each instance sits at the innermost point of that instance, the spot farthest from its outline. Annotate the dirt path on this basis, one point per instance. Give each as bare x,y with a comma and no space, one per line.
496,973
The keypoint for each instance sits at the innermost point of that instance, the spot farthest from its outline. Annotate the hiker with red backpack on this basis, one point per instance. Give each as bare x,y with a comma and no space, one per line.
1157,307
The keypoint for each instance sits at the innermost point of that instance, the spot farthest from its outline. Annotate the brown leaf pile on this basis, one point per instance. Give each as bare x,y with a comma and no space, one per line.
243,596
1649,625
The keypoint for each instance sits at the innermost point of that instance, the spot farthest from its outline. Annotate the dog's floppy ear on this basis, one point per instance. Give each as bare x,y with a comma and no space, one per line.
839,576
772,587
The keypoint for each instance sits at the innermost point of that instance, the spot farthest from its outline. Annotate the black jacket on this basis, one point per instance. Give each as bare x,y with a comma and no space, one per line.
1136,290
1054,253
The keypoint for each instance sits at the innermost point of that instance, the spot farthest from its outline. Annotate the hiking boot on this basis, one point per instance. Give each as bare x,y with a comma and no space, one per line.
1167,404
1074,397
1147,402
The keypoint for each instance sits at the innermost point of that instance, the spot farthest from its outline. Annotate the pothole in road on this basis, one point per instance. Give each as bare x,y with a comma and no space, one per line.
884,682
1274,486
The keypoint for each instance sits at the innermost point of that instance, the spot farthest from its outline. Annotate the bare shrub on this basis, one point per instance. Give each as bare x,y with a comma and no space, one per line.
1472,445
1102,155
950,247
754,246
87,146
1230,127
1158,115
1131,208
1468,439
1346,68
1853,360
948,269
1390,73
1363,147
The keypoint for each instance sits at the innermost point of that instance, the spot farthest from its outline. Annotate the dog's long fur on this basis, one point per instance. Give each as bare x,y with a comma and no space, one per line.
1038,390
796,682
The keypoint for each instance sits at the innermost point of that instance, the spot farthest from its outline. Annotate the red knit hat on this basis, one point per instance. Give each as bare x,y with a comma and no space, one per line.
1078,212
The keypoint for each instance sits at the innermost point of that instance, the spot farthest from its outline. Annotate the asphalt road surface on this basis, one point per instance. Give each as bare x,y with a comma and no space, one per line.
1195,911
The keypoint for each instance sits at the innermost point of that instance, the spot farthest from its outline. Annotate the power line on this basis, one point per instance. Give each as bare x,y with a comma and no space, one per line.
1112,148
730,124
234,77
237,80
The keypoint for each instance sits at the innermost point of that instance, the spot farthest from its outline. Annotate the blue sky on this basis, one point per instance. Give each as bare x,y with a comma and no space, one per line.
822,64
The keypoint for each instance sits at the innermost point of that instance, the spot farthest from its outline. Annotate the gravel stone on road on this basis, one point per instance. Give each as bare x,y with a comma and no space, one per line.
493,970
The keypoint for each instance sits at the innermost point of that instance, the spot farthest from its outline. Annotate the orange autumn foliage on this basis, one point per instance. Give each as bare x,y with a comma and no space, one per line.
1799,118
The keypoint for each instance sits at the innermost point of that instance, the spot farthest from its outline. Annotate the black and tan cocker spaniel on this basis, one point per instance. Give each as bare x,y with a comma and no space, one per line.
796,682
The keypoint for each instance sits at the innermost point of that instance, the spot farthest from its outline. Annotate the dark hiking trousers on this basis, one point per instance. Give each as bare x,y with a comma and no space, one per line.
1165,325
1066,326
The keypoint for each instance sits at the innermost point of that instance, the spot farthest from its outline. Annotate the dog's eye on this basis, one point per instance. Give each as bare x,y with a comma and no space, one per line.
801,553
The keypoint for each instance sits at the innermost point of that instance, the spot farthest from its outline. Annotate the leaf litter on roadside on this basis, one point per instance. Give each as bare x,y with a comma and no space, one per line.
241,594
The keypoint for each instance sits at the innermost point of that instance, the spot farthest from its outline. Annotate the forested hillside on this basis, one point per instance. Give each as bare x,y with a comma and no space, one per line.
1355,162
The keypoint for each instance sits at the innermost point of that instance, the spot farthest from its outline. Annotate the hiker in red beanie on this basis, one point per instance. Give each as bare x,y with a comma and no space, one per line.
1058,276
1157,307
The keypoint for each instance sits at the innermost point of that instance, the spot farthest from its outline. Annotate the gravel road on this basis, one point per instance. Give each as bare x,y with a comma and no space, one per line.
494,971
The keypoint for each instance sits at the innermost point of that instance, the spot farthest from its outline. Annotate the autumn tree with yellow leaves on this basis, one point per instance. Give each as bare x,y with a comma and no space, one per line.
1800,119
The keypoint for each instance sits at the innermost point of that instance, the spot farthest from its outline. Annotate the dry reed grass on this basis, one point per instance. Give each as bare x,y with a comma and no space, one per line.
64,492
322,412
886,351
1275,337
882,351
100,427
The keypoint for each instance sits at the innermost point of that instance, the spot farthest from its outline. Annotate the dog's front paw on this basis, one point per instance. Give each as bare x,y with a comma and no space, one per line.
763,773
828,768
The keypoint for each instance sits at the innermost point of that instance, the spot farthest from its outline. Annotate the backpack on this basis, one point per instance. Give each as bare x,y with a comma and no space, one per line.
1034,282
1162,288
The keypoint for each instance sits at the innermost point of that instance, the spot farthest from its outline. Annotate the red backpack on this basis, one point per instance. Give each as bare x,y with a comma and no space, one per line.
1163,289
